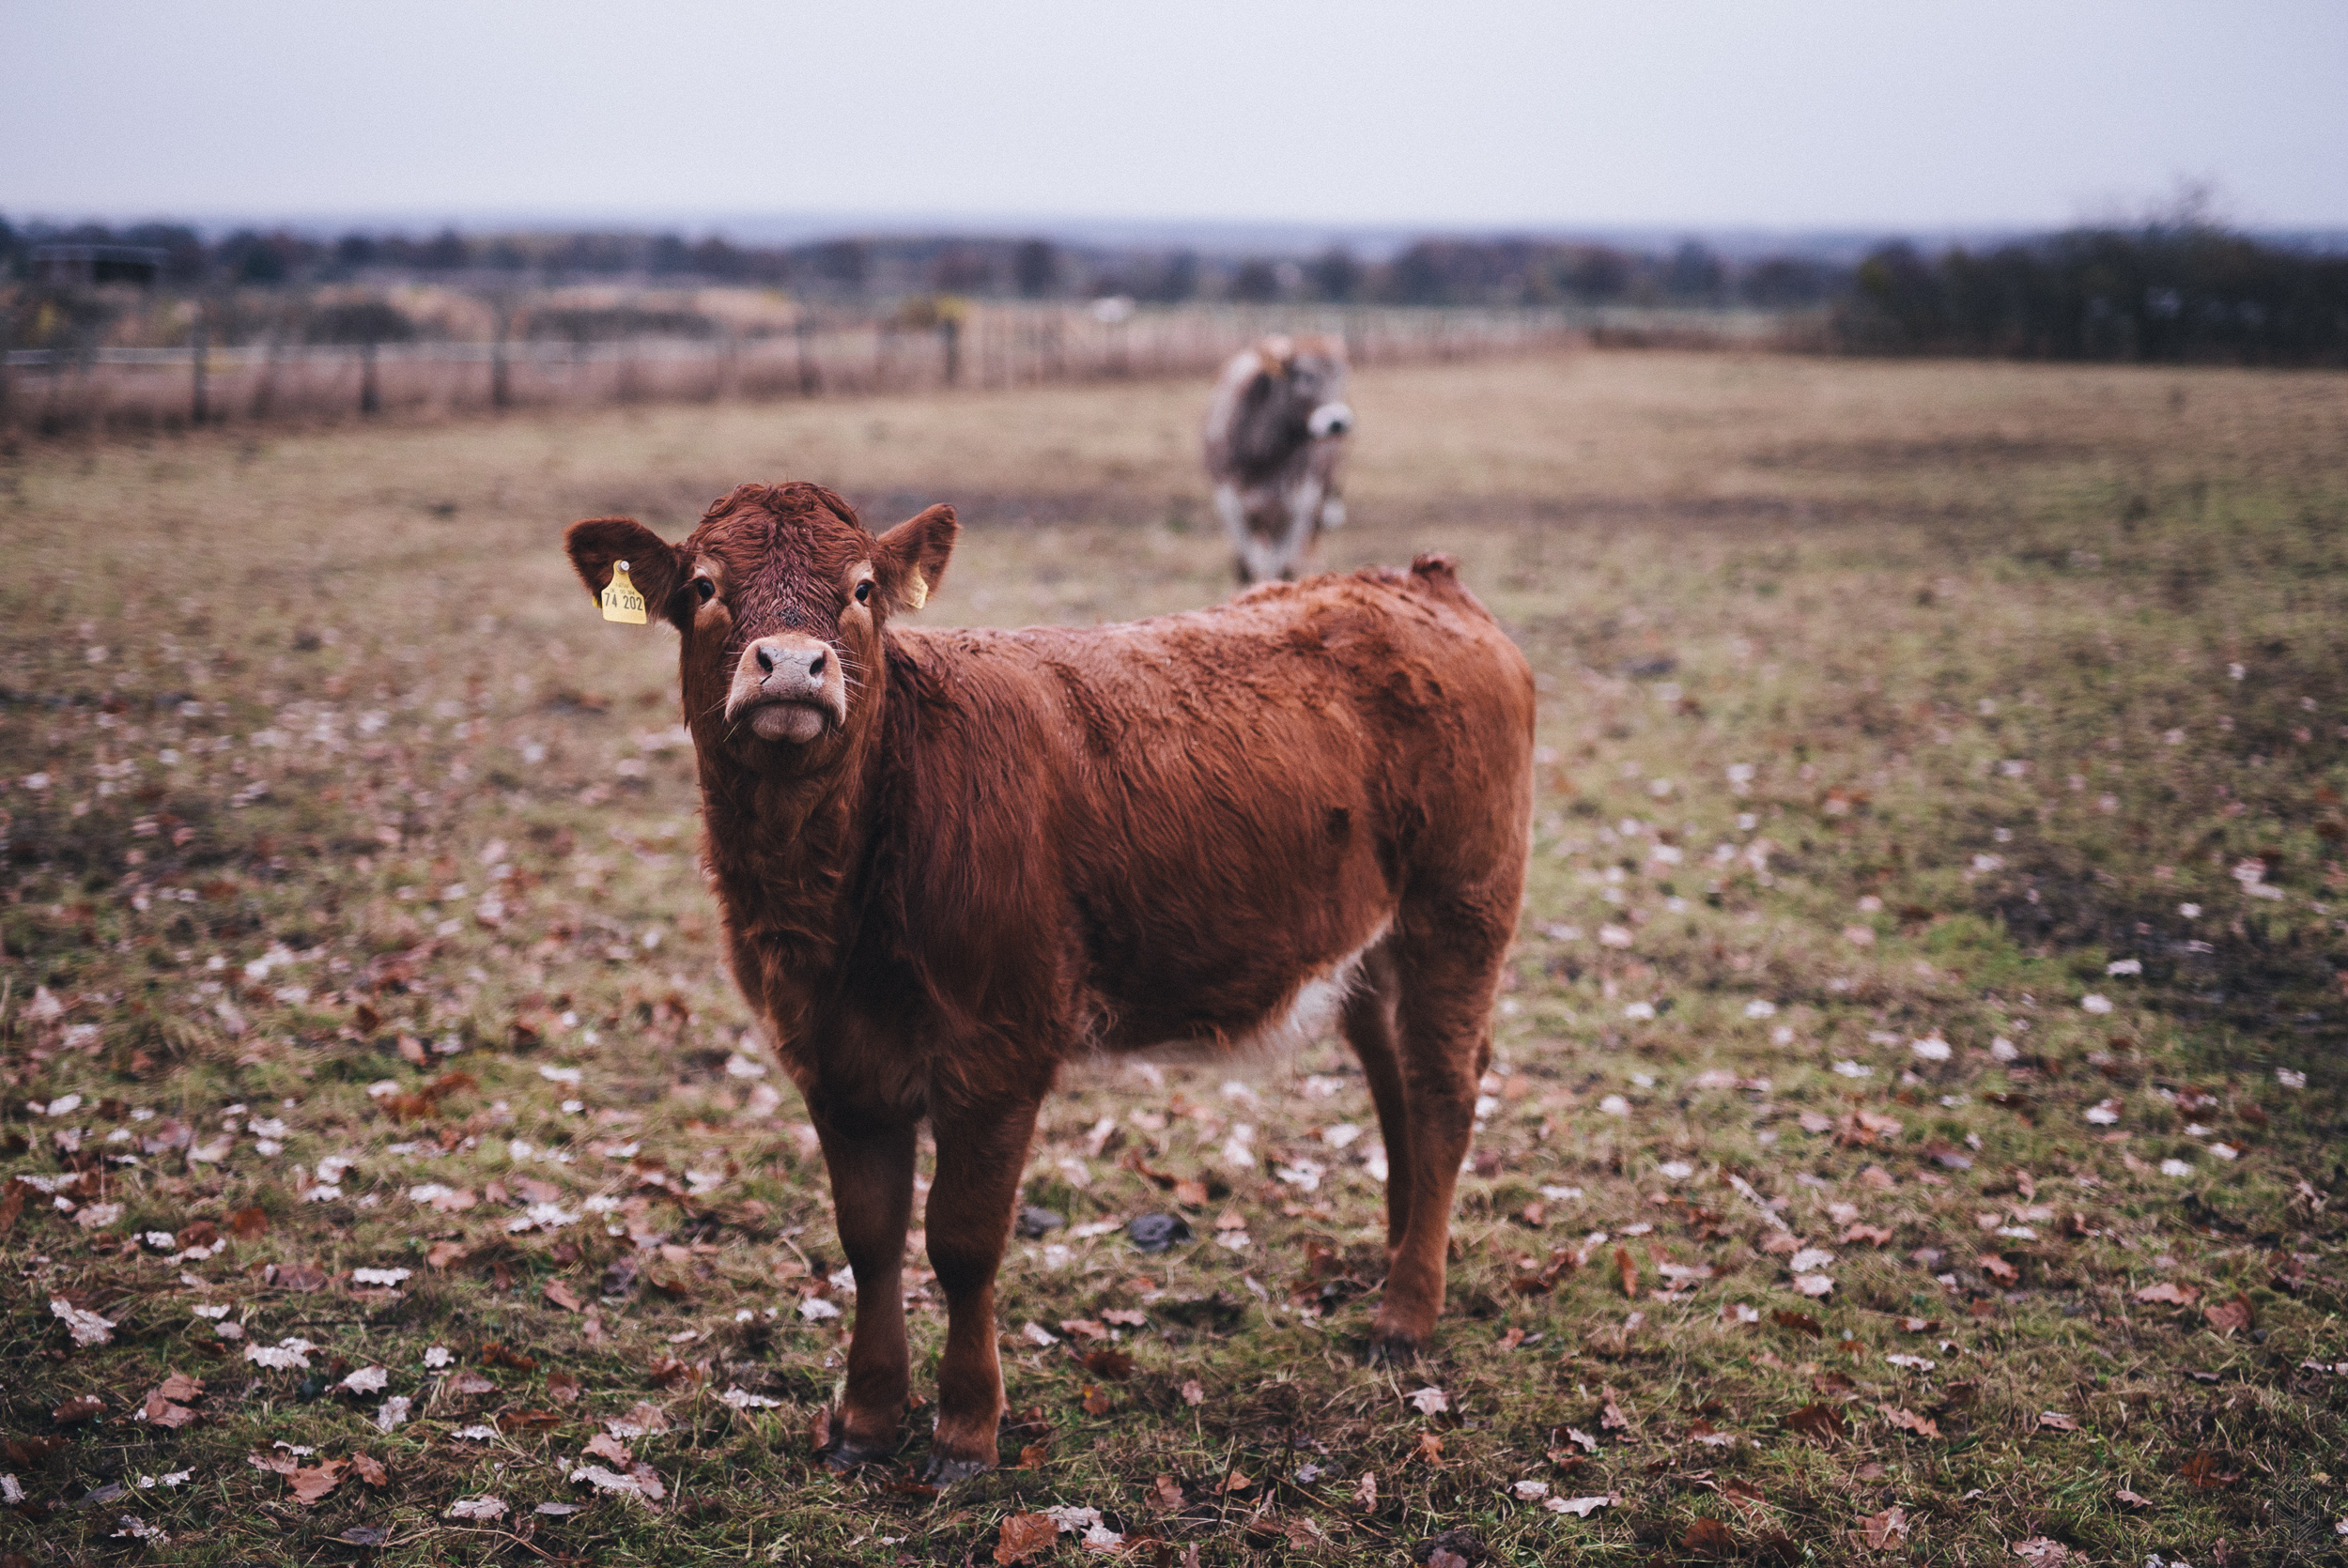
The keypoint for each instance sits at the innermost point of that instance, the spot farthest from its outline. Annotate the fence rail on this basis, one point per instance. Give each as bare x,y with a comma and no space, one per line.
112,387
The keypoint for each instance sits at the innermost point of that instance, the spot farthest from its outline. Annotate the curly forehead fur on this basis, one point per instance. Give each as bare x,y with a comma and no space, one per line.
786,550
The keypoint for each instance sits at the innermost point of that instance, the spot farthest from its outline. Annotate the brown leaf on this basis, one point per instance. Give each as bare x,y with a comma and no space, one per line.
1820,1421
2206,1472
12,1204
370,1469
467,1380
181,1386
1800,1322
603,1445
1629,1271
1189,1194
250,1224
1909,1420
495,1354
1033,1455
1194,1391
1998,1269
1166,1494
1023,1535
163,1413
1874,1234
818,1429
1110,1362
1882,1531
273,1461
2131,1500
2055,1421
2039,1551
528,1420
74,1411
1083,1329
2230,1317
311,1485
1429,1448
562,1296
563,1388
1708,1537
304,1278
1610,1416
445,1254
2172,1295
1096,1400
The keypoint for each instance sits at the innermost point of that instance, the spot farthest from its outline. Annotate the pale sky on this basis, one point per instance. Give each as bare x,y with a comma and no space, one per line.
1505,112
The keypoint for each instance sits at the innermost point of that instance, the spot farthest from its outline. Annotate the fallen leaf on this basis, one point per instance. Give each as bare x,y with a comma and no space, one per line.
1909,1420
1629,1271
2230,1317
1882,1531
181,1386
1800,1322
2040,1552
87,1327
364,1535
370,1468
250,1224
312,1485
1429,1448
1096,1400
1366,1490
562,1296
1820,1421
2206,1472
644,1418
1166,1494
1580,1508
1709,1537
2168,1294
1998,1269
2131,1498
1023,1536
605,1446
1431,1401
2055,1421
563,1388
1576,1435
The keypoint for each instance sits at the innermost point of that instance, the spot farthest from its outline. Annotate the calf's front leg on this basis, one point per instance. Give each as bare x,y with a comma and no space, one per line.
872,1196
981,1154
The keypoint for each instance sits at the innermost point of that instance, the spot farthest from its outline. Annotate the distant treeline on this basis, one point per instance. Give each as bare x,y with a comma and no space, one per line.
2167,291
2183,293
1434,272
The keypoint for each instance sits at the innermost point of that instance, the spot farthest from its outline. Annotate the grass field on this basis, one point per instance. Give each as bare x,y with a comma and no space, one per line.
1915,1131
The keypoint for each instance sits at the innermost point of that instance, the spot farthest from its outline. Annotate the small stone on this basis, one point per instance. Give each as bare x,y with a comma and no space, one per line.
1034,1221
1156,1233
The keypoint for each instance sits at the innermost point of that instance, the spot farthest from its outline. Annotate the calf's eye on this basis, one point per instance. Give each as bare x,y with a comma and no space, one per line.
707,588
864,592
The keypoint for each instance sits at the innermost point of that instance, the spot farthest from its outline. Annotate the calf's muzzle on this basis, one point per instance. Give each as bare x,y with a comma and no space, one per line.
787,688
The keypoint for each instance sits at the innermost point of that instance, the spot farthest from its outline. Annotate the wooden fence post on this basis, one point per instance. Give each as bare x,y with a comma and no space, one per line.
197,412
500,388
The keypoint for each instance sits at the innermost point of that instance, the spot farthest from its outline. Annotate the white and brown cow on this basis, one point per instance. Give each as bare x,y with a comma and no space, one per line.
1276,431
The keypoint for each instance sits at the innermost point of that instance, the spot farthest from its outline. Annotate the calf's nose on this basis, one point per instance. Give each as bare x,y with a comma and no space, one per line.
801,662
1331,418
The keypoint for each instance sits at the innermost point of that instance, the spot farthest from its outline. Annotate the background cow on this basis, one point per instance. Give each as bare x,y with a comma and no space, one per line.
1276,431
949,862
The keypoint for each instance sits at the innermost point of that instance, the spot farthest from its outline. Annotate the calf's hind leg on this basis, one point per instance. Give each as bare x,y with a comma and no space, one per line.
1368,1025
981,1154
1449,968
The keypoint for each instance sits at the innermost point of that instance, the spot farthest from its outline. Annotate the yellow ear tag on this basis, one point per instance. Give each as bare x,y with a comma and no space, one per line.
917,589
621,602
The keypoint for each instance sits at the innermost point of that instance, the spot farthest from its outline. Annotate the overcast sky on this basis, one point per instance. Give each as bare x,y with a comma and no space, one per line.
1526,113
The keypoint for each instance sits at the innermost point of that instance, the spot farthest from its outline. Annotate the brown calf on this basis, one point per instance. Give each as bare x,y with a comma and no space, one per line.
952,861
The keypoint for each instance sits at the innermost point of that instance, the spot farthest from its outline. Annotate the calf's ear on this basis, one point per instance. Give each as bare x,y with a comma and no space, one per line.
656,569
911,559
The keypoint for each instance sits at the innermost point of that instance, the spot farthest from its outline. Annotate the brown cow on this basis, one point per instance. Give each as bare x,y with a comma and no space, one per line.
951,862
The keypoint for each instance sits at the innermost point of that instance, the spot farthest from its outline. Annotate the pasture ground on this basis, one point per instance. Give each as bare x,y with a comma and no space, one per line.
1940,835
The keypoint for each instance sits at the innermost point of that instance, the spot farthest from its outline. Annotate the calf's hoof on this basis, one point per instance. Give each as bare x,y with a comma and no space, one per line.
1390,1346
845,1455
944,1470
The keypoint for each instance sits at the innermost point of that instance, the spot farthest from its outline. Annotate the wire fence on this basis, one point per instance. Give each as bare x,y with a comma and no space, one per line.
100,388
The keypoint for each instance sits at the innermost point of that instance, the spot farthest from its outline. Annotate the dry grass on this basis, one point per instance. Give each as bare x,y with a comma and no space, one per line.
1874,585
